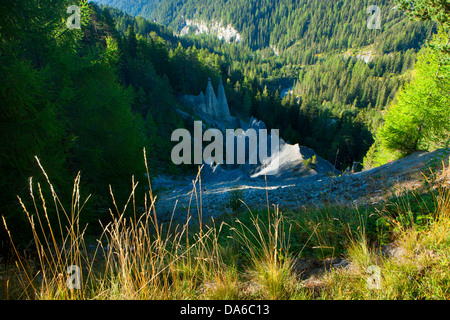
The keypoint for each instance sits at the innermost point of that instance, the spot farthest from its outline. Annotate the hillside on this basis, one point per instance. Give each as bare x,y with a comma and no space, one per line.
143,8
320,66
332,180
315,25
358,189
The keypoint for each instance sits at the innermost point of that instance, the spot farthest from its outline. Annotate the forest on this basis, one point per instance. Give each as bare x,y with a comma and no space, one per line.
89,100
86,100
337,99
92,98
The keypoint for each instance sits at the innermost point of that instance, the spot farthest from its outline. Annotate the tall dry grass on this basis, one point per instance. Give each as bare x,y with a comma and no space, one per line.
139,258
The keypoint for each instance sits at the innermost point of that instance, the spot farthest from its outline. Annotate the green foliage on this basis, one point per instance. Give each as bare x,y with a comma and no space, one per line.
336,101
90,99
286,24
235,202
31,123
436,10
418,119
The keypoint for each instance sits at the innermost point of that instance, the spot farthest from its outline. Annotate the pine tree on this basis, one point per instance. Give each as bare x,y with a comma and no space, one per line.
132,41
246,104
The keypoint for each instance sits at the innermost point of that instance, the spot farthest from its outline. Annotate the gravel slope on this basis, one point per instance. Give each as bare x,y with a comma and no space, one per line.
294,192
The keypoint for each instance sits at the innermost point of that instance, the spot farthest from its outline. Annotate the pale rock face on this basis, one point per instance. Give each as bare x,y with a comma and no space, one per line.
210,100
222,109
227,33
201,99
272,156
216,107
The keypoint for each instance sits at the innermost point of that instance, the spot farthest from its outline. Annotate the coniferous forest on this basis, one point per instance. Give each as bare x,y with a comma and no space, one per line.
103,92
90,99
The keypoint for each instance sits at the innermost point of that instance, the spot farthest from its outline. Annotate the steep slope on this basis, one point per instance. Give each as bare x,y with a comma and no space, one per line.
143,8
283,23
362,188
341,73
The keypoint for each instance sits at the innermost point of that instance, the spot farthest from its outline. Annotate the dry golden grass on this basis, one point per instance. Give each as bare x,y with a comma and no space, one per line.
138,258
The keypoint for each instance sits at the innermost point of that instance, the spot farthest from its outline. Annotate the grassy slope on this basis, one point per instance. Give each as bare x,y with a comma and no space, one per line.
251,255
